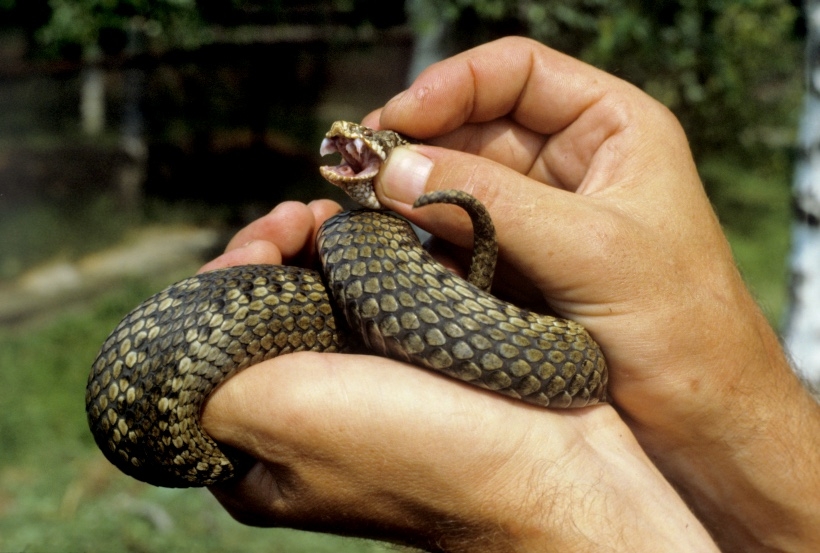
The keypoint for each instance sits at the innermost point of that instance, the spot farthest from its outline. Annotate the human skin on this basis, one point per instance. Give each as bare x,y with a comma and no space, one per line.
600,215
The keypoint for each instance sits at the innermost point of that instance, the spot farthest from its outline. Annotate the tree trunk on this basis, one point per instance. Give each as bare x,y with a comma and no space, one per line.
132,172
92,100
802,325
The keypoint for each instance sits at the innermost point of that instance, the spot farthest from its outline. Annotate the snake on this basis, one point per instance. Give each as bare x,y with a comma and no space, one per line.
379,292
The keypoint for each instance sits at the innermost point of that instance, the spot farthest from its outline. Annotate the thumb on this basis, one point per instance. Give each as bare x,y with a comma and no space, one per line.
547,234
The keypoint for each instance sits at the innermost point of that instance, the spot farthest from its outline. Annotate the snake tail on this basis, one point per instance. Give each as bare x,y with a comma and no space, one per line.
485,246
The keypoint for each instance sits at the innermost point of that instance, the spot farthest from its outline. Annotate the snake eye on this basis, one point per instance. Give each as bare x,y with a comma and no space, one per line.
367,132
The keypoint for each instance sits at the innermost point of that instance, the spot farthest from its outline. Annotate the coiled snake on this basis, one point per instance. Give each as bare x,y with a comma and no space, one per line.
381,292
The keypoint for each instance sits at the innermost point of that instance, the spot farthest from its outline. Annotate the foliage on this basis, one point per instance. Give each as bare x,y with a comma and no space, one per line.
729,69
90,27
94,24
754,207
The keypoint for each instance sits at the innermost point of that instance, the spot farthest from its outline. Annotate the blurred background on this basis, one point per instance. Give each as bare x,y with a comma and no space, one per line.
137,135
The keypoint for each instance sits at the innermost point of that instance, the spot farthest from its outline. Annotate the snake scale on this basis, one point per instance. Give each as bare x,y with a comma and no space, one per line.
381,292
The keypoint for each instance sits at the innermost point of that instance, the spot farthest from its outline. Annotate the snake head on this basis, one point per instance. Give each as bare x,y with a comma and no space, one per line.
363,152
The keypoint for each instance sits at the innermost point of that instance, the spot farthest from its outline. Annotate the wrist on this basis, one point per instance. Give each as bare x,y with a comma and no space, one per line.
583,496
738,465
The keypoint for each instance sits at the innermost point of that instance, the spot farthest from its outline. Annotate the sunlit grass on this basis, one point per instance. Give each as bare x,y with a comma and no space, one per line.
38,231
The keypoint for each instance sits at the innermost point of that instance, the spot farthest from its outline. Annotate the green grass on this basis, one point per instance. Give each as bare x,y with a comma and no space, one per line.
34,232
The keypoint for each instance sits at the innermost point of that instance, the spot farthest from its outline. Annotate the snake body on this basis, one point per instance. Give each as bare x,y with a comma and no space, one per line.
381,292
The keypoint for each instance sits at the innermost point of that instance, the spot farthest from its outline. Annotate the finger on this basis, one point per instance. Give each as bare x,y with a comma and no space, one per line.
541,89
285,235
303,391
503,140
581,109
304,414
253,497
372,119
255,252
290,225
322,210
560,225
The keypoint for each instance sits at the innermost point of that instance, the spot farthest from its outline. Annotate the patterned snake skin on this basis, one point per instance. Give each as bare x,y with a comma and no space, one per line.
381,292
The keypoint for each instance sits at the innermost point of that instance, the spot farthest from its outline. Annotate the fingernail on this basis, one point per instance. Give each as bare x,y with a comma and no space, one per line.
404,178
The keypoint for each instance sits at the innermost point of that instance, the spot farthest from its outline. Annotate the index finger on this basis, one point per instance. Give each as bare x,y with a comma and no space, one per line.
542,90
577,107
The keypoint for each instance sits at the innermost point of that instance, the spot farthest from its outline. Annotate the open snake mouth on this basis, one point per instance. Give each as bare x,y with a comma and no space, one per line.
359,161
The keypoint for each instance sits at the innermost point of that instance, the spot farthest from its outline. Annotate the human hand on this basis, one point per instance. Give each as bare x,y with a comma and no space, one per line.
371,447
600,213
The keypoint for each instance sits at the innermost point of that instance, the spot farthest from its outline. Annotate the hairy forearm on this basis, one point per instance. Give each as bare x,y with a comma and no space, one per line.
612,499
752,476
